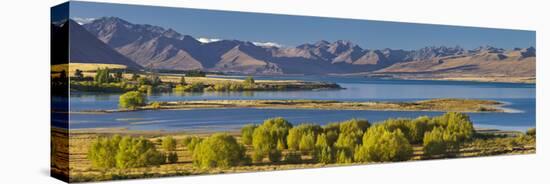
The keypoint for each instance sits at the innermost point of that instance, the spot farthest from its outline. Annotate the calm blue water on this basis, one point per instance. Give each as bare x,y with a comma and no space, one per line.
517,96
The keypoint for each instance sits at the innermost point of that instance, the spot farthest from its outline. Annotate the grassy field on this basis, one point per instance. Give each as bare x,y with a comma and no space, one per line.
85,67
81,169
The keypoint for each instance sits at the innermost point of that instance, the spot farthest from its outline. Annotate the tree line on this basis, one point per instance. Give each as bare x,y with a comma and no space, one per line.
277,140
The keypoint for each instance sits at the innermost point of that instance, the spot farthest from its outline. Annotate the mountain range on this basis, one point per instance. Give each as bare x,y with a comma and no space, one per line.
157,47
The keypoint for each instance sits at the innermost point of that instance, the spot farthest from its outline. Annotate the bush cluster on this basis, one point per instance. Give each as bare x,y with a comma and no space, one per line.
132,100
219,150
277,140
124,152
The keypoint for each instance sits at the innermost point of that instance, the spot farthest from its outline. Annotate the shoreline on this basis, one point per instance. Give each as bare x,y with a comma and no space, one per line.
163,132
432,105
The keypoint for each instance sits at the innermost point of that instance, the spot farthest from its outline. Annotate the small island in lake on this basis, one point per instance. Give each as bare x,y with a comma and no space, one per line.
440,105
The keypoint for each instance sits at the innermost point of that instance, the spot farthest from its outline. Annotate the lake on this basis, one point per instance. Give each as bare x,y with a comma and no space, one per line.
516,96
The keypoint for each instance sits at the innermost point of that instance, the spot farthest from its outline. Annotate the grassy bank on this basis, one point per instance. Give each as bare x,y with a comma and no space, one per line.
455,105
467,143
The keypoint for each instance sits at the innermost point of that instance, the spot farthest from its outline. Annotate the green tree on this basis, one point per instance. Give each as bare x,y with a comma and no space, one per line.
218,150
169,144
332,136
325,155
343,157
296,133
307,143
103,76
267,136
137,152
417,128
193,142
172,157
434,143
102,152
263,143
458,125
323,151
132,100
383,145
247,132
249,80
350,135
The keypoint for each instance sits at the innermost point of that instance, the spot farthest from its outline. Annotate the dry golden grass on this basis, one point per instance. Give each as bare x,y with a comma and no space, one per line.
85,67
81,169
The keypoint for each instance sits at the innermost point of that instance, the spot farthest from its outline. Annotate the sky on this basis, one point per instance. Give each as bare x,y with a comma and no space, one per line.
291,31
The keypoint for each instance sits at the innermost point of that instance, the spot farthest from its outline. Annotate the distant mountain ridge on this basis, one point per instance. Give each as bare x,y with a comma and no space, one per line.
84,47
157,47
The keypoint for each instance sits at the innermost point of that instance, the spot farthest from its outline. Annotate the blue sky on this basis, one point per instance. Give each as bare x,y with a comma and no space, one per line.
295,30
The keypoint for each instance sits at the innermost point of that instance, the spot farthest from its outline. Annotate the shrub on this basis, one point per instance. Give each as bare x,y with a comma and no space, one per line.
347,141
193,142
350,134
263,142
458,125
155,105
434,143
293,157
275,155
102,152
307,143
323,151
332,136
131,100
268,136
185,141
143,81
322,141
531,132
343,157
280,145
218,150
332,127
145,89
296,134
137,152
246,132
417,128
103,76
249,80
325,155
354,126
172,157
383,145
193,87
169,144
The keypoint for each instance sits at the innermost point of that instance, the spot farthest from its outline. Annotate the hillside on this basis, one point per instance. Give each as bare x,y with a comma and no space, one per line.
86,48
158,47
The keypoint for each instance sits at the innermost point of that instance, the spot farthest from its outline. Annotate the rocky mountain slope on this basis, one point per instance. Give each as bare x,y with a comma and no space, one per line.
157,47
86,48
